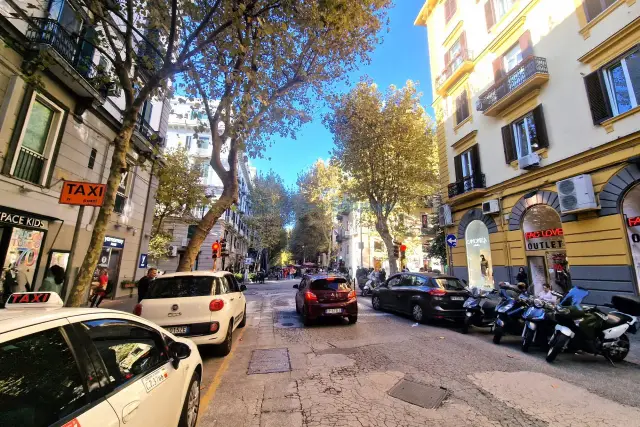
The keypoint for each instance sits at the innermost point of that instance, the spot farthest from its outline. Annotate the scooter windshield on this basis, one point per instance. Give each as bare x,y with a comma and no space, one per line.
574,297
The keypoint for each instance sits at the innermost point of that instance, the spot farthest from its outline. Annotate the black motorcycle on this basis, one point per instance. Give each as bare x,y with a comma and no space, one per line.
591,330
481,309
509,312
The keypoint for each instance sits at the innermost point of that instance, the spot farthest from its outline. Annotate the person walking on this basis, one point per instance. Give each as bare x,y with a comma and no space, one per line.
54,280
145,283
522,276
101,290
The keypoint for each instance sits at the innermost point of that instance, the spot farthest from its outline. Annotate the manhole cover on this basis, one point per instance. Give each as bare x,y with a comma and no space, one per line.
269,361
287,324
425,396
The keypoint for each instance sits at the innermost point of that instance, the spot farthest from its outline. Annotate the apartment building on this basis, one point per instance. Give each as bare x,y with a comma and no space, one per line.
62,129
185,118
538,129
360,245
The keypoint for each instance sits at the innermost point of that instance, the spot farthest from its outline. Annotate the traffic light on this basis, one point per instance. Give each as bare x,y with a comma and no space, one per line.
223,248
396,250
215,249
403,250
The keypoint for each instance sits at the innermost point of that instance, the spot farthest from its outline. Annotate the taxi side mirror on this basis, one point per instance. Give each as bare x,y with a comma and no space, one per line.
243,288
295,286
178,351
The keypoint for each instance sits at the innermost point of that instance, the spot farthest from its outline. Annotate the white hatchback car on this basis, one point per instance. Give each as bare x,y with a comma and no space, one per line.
205,306
92,367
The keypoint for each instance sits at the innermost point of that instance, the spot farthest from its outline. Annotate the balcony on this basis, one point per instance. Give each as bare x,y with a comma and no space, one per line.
467,188
71,59
146,135
528,76
29,166
456,68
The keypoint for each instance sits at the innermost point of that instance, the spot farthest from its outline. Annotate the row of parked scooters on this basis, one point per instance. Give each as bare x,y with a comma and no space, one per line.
557,327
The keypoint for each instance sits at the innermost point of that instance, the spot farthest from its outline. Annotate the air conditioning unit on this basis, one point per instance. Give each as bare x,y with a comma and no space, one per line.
444,216
490,207
529,161
185,241
576,194
173,250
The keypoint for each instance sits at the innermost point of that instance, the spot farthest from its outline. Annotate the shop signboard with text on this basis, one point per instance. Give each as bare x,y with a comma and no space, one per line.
540,240
82,193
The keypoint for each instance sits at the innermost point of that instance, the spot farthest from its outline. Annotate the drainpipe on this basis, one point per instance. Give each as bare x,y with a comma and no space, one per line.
144,219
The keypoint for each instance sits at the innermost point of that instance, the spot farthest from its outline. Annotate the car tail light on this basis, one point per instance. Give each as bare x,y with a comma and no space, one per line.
352,294
310,297
137,310
437,292
216,305
213,328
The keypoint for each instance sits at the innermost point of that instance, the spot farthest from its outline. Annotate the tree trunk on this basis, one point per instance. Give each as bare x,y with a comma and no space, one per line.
385,234
118,164
228,197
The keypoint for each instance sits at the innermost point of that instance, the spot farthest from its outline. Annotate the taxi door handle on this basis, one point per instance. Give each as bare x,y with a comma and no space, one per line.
231,299
129,411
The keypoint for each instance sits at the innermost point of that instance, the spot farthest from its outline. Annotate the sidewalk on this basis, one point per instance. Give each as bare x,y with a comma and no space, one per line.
123,303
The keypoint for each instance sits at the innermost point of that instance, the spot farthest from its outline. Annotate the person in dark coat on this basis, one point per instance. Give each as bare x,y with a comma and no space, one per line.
145,282
522,276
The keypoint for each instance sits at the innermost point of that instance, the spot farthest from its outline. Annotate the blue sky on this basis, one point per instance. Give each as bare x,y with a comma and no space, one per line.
401,56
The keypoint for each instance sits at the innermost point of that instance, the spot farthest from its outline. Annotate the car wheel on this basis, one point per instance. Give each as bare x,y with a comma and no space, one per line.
225,348
375,303
305,317
191,406
297,308
243,323
353,319
417,313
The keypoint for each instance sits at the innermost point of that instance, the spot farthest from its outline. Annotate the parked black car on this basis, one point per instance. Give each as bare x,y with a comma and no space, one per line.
424,296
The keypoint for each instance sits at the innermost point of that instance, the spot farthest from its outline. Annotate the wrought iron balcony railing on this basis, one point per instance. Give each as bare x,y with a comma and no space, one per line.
147,131
453,65
524,71
69,47
467,184
29,166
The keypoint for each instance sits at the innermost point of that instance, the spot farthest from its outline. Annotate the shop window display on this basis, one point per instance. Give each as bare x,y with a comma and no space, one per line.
631,211
479,263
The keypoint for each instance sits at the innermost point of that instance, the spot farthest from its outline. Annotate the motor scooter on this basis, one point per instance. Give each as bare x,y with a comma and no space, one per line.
539,323
481,309
369,287
509,312
591,330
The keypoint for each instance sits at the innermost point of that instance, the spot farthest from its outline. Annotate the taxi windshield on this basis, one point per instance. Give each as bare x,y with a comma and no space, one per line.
181,287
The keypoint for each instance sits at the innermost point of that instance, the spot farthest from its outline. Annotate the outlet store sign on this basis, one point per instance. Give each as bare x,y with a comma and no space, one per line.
539,240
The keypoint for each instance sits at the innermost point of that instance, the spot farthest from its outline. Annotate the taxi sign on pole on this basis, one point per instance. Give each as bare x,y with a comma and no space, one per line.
82,193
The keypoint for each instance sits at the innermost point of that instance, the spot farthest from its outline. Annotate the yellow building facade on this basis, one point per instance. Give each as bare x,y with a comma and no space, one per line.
537,107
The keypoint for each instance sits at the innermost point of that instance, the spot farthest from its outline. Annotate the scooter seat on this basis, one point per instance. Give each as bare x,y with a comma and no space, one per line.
490,303
615,319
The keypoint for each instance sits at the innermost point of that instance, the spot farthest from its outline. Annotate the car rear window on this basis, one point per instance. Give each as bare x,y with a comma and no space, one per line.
331,284
180,287
450,284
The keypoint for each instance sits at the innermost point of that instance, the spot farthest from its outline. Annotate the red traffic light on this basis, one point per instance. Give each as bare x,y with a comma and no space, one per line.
403,248
215,247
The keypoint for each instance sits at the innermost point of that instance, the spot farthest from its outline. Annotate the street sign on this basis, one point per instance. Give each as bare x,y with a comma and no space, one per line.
143,261
82,193
452,240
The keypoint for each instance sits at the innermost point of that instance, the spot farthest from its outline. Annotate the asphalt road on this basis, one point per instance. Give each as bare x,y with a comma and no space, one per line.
342,375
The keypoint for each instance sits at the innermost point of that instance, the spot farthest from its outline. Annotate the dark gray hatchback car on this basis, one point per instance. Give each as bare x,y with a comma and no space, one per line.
424,296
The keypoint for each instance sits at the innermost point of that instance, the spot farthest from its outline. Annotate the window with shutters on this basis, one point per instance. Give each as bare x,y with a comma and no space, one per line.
615,88
462,107
525,135
469,175
124,190
594,8
450,8
494,11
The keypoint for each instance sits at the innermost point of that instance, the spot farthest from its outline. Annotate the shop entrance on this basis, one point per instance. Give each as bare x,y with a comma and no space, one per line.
110,259
478,248
545,248
631,211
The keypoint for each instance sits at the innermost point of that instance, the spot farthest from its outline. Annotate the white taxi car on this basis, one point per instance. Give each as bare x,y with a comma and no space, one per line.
205,306
92,367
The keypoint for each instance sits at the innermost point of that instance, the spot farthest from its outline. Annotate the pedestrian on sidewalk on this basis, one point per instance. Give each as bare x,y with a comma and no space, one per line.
101,291
522,276
145,283
53,281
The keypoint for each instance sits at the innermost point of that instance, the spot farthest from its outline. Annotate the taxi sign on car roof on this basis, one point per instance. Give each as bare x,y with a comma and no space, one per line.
21,300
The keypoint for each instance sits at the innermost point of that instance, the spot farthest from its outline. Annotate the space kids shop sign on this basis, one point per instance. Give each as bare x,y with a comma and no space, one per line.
541,240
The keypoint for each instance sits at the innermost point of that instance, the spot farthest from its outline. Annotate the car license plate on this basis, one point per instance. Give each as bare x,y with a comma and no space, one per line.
177,330
457,298
154,379
333,310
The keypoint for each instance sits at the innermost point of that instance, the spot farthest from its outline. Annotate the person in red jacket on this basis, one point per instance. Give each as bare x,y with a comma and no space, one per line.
101,291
